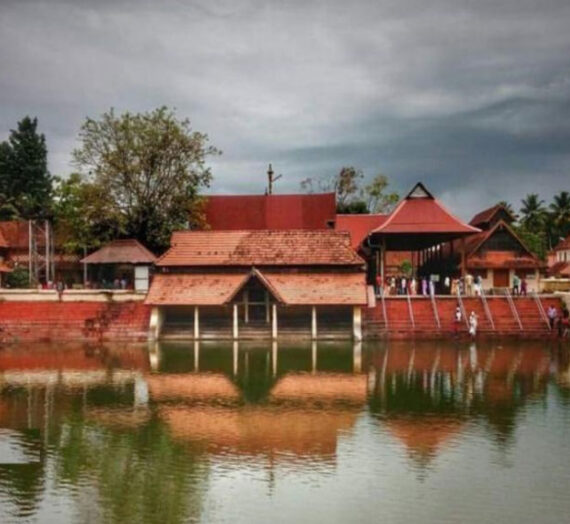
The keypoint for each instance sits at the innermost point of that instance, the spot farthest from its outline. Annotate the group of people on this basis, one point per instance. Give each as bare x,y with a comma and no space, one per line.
559,320
402,285
519,286
473,322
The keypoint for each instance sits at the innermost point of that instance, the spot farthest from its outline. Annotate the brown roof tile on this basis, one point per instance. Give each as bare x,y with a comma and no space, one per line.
260,248
127,251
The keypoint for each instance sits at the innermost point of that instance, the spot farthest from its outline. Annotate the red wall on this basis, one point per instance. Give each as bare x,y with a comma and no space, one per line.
73,320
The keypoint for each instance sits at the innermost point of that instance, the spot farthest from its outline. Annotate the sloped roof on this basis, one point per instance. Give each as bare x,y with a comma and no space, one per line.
255,212
485,216
563,244
260,248
127,251
358,226
318,288
169,289
560,268
209,289
419,212
5,268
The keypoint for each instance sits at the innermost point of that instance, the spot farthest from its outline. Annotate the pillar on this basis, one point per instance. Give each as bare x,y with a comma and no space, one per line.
314,357
246,306
274,322
235,357
314,322
274,358
155,324
383,261
196,356
196,323
235,323
267,313
357,323
357,357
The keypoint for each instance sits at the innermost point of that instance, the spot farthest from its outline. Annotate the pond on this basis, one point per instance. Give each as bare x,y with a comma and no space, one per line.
260,432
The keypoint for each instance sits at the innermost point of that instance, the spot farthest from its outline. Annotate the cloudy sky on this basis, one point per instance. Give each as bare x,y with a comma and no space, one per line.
471,97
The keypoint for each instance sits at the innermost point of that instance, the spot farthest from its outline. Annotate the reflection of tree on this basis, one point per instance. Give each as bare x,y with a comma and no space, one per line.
141,475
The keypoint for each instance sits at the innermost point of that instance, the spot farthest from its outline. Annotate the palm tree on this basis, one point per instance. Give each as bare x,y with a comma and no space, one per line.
533,213
560,215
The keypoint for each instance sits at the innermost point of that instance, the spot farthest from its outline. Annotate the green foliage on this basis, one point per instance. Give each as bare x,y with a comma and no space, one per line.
406,268
533,213
19,278
25,183
151,167
351,196
559,217
536,241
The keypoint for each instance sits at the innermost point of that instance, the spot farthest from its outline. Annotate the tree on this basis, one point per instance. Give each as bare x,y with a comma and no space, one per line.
152,168
351,197
25,182
560,216
533,213
84,216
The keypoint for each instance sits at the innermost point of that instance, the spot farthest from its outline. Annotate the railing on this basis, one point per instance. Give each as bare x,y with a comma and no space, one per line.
513,308
411,310
462,308
541,309
487,308
384,308
435,312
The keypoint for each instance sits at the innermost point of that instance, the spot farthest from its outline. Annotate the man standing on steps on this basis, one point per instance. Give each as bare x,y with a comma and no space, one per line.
552,314
469,284
516,285
457,321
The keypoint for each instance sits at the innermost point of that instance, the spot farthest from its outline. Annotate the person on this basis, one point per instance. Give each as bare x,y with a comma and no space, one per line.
523,286
478,285
393,286
431,287
378,285
457,320
552,314
469,284
424,286
454,286
413,285
447,284
59,286
403,286
563,323
516,285
473,324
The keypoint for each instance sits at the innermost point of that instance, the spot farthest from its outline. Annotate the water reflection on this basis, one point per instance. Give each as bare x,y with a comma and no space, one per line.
147,434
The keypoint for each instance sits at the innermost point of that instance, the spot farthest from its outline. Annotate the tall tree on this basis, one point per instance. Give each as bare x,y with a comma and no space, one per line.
25,183
378,199
533,213
151,165
560,216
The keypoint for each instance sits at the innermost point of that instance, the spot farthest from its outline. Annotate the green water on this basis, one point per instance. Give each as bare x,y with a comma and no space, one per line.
399,432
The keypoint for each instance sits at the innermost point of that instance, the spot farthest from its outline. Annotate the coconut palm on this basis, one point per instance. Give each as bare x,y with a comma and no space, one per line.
560,214
533,213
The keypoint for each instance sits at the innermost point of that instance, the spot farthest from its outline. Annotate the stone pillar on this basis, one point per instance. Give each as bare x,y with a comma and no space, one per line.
314,322
235,357
274,322
196,323
196,356
155,324
357,323
235,323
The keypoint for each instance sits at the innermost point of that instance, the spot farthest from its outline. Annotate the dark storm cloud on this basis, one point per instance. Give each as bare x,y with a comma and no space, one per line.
471,97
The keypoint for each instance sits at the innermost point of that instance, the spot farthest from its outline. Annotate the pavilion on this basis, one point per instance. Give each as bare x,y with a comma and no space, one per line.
126,258
419,225
258,284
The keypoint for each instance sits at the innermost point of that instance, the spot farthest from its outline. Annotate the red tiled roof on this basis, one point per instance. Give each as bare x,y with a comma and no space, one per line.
563,244
255,212
4,268
359,226
560,268
260,248
168,289
15,233
420,212
127,251
318,288
487,215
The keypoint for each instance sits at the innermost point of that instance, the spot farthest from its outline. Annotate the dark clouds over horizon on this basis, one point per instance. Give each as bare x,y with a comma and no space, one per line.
471,97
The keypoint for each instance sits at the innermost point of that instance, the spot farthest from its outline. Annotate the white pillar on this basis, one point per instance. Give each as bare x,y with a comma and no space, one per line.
155,324
196,323
196,356
274,323
267,312
246,305
314,322
314,357
235,357
357,357
357,323
235,327
154,355
274,358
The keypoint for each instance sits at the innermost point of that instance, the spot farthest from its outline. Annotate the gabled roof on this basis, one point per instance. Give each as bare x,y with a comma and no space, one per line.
419,212
560,268
474,242
216,289
255,212
563,244
485,216
127,251
260,248
358,226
